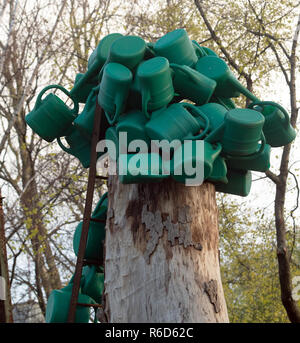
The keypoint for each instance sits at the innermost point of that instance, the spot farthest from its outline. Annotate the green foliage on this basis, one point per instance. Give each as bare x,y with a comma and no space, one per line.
249,265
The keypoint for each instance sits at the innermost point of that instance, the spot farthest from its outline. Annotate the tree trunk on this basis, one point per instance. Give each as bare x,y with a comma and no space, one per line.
162,260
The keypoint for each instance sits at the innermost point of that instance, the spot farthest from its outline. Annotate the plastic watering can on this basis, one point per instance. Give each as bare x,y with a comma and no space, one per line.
58,304
114,89
227,85
178,121
141,167
239,183
187,156
277,128
177,48
95,62
190,84
50,117
96,234
155,81
133,123
93,284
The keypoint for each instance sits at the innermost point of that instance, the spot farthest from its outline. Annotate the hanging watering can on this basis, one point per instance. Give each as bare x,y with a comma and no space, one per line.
178,121
155,82
128,51
259,161
96,232
50,117
219,171
133,123
239,183
85,120
190,84
93,284
58,305
114,89
79,146
277,128
187,158
177,48
240,133
84,91
95,63
141,168
227,85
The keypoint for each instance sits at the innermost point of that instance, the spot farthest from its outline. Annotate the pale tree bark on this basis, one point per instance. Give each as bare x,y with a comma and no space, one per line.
162,260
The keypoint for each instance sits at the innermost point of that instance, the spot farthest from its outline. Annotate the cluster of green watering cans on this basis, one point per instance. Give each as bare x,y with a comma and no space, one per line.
92,279
170,90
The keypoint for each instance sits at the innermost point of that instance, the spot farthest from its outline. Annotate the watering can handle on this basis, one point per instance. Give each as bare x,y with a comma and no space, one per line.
68,150
200,52
39,98
150,47
271,103
118,104
203,116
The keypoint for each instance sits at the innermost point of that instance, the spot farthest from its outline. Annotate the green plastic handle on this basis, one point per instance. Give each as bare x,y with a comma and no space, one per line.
68,150
150,47
271,103
200,52
185,69
202,115
216,134
39,98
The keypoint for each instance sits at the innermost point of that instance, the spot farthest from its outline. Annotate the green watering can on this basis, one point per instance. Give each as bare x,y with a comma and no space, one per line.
79,146
96,234
85,120
259,161
114,89
59,302
50,117
141,168
240,133
84,91
178,121
95,63
128,51
178,48
190,84
277,128
133,123
215,114
219,171
112,135
155,82
227,85
239,183
187,158
93,284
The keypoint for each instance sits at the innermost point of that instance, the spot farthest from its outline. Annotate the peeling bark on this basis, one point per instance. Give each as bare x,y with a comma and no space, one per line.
161,253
